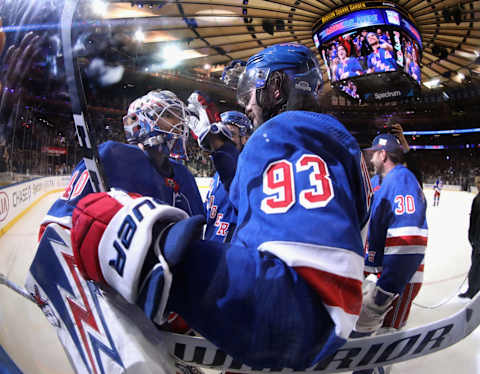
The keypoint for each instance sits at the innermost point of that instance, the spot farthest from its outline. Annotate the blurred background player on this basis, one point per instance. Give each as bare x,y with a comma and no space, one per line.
266,298
437,188
231,73
224,141
474,239
397,239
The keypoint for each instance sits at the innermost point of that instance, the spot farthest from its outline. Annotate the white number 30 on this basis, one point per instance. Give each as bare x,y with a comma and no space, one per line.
278,180
405,204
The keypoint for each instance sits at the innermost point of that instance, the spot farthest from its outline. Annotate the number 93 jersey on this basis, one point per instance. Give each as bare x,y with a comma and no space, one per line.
302,193
303,180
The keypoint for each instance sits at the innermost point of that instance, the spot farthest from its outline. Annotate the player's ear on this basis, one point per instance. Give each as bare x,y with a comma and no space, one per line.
277,88
384,155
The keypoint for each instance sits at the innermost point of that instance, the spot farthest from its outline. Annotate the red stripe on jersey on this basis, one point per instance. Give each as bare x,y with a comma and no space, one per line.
398,315
420,268
406,240
334,290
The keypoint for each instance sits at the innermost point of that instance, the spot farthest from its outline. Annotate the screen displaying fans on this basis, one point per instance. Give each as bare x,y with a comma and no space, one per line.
364,47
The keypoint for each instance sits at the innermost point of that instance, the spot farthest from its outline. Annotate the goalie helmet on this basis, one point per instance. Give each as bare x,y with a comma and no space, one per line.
297,61
158,119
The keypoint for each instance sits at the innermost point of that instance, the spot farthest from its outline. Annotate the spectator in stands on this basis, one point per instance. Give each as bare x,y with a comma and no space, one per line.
382,58
347,67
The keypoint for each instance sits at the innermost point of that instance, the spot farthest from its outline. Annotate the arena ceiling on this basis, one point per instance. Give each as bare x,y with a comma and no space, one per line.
211,33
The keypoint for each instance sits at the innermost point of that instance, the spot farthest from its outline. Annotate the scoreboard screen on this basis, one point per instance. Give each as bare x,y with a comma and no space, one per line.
372,51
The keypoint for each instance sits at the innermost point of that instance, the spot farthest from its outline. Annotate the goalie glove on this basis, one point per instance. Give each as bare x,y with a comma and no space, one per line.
375,306
131,244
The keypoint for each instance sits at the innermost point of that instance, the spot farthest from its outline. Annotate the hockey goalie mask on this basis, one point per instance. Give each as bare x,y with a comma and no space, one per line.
297,61
131,127
161,120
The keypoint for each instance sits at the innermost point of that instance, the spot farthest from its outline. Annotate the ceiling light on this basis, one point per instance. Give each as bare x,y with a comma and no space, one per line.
172,51
217,16
432,83
139,35
99,7
207,66
173,55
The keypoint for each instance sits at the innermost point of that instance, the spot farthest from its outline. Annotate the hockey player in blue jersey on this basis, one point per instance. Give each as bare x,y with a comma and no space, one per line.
397,239
224,140
155,126
286,292
437,189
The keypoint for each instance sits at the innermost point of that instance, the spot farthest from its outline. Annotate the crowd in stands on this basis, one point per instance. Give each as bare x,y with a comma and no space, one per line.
40,142
454,167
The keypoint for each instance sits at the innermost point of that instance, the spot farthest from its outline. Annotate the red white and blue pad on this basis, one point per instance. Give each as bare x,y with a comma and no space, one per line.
100,332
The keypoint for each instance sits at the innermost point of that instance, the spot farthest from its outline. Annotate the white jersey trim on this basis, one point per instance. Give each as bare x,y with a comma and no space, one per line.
65,221
373,269
406,231
405,250
417,277
344,322
333,260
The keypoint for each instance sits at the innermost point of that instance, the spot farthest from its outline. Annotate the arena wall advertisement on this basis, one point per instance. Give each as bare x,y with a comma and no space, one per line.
17,199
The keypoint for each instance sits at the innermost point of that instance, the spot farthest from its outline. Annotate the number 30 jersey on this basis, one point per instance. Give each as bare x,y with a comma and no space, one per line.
302,193
398,232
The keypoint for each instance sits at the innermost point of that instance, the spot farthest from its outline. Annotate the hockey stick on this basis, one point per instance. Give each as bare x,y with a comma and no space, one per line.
356,354
79,107
19,290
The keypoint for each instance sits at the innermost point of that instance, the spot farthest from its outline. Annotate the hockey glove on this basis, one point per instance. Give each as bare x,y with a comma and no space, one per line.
205,119
375,306
131,244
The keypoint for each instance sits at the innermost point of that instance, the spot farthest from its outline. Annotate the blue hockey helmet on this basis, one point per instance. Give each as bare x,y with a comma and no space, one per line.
238,119
296,60
231,73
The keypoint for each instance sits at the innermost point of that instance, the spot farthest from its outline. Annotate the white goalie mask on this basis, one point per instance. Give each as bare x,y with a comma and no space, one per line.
158,119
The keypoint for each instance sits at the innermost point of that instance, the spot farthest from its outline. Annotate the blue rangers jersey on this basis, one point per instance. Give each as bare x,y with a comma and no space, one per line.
349,68
221,216
398,231
287,291
381,60
128,168
414,70
437,187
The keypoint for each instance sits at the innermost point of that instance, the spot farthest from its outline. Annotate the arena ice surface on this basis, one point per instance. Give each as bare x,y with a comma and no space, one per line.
30,341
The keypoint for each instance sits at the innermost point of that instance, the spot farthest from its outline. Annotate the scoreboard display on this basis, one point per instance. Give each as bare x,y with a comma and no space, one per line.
372,51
